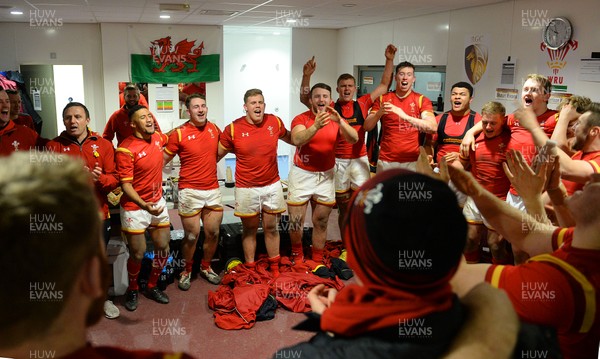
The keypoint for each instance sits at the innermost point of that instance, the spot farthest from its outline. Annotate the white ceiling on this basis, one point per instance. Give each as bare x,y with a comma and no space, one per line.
327,14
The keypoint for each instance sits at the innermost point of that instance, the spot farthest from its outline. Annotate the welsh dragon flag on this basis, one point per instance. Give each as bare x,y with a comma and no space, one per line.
175,58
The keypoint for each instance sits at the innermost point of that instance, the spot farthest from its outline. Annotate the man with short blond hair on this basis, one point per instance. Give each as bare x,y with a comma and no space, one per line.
485,163
253,139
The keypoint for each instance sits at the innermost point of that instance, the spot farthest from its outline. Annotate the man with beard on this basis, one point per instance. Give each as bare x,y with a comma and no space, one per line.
577,169
351,161
98,156
258,193
196,142
404,115
564,132
118,123
59,282
139,164
314,133
13,137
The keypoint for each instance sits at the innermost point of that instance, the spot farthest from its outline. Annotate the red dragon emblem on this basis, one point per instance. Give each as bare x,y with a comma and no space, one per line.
181,54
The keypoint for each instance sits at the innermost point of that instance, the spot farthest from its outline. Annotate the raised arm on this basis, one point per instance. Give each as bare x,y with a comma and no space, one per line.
373,117
529,184
388,73
572,170
557,193
309,68
568,114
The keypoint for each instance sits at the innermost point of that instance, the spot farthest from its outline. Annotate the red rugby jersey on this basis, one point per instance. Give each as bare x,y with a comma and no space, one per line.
400,139
560,290
255,149
455,127
486,163
593,158
522,139
197,150
318,154
140,162
343,148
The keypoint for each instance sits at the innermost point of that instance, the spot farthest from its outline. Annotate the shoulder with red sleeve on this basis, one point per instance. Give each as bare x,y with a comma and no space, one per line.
226,140
530,286
15,137
561,236
305,119
124,158
173,145
549,283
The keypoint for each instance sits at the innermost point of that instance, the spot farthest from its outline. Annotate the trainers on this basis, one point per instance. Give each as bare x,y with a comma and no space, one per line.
110,310
157,295
131,300
210,275
184,281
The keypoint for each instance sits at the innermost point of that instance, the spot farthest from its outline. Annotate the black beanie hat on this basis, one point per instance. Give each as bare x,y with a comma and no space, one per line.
413,223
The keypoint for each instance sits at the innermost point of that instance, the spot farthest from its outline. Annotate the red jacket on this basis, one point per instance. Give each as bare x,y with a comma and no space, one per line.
15,137
94,151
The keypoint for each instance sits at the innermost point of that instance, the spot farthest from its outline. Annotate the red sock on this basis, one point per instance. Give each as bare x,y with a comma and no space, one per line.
274,265
250,265
188,265
317,255
133,271
205,264
297,252
158,263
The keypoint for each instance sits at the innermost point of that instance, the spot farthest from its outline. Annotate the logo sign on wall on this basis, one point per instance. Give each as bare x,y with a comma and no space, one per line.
476,57
554,65
175,63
